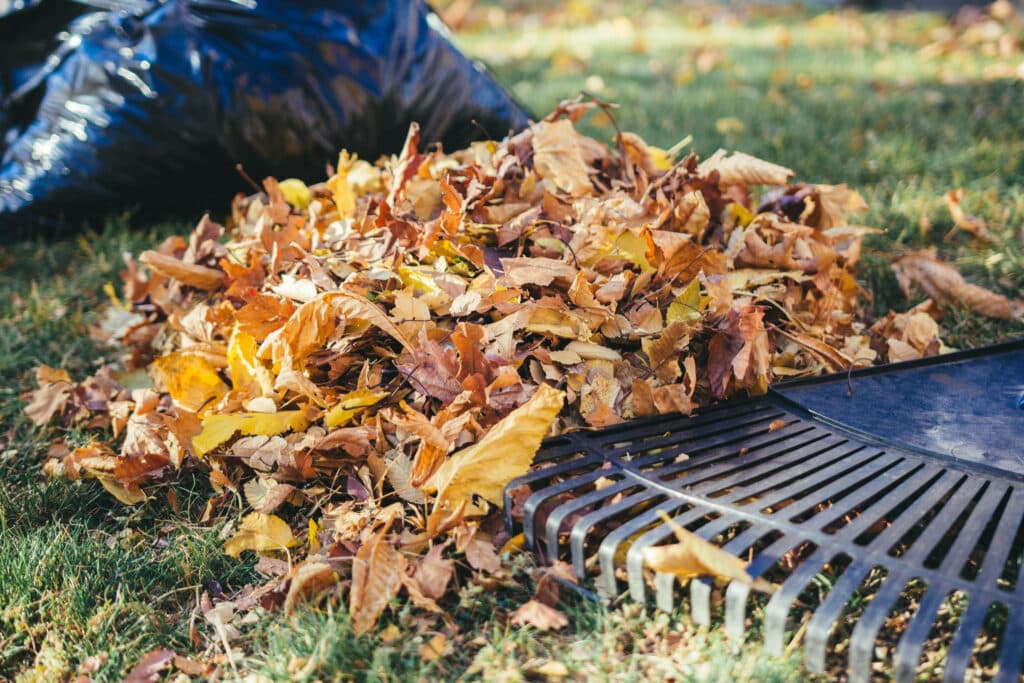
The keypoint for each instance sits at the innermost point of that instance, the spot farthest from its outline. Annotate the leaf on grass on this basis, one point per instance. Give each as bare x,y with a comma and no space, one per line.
377,572
219,428
260,532
434,572
692,556
504,453
309,580
945,284
540,616
52,395
189,274
151,667
973,225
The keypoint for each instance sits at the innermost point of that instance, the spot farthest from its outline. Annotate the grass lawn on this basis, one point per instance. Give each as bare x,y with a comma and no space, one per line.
88,586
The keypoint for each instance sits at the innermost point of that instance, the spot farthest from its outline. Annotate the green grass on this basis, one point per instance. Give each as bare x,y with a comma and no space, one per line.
81,576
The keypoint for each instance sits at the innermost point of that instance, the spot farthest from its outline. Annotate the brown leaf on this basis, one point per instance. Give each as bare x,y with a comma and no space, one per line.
150,668
743,169
188,274
434,572
308,581
559,155
973,225
51,397
944,283
538,615
377,572
520,272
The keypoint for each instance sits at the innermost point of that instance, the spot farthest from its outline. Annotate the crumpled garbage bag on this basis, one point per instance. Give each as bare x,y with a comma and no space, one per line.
115,104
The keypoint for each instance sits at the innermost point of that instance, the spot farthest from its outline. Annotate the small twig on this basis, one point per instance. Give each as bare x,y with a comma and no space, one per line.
247,177
606,108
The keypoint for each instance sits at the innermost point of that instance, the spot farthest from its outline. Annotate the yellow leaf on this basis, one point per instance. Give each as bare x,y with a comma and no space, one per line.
686,306
742,214
662,158
295,192
245,369
633,247
314,542
344,197
191,380
260,532
129,495
504,453
692,556
351,404
219,428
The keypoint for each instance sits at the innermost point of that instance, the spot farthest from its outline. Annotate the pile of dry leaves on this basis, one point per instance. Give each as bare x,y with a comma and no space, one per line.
368,361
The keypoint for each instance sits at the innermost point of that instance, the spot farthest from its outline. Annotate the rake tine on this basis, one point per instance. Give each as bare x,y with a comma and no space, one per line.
578,536
820,627
862,641
776,614
958,657
1011,655
908,651
555,520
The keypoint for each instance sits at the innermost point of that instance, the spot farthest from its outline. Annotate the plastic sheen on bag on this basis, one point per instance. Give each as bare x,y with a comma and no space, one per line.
151,105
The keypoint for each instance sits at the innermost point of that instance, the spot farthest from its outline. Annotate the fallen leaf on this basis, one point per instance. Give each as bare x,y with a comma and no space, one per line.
150,668
504,453
219,428
945,284
189,274
538,615
377,571
433,648
559,156
308,581
692,556
433,572
260,532
191,380
744,169
51,397
972,225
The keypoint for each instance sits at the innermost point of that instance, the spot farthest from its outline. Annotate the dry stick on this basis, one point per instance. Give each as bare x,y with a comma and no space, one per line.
247,177
606,108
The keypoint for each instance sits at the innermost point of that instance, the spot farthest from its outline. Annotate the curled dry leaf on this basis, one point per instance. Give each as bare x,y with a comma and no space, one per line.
744,169
189,274
972,225
692,556
945,284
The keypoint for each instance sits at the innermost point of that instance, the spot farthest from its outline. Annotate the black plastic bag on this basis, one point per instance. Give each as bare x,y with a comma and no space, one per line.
152,104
